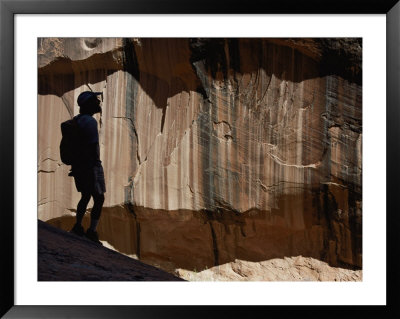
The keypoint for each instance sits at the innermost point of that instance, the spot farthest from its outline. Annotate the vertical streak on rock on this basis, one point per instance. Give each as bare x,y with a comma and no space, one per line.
247,155
213,155
164,113
327,120
214,242
132,211
299,137
227,109
191,180
132,78
205,144
137,238
228,161
165,188
329,203
234,150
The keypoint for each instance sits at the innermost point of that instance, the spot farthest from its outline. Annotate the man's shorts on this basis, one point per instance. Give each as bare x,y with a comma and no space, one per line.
90,180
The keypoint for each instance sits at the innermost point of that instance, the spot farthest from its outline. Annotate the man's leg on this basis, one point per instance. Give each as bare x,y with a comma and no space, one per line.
82,205
91,233
80,212
96,211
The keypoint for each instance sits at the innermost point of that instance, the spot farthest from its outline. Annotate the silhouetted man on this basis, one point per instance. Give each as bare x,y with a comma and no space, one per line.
87,170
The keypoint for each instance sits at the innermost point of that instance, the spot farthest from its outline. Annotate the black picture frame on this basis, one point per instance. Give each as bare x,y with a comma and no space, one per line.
8,10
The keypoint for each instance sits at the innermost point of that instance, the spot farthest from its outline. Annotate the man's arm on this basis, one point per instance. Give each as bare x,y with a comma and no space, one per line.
94,154
93,143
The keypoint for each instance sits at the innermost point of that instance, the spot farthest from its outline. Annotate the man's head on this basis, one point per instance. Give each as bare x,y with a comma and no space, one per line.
89,103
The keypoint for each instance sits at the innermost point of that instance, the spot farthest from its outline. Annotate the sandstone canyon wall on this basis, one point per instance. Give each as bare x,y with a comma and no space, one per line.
213,149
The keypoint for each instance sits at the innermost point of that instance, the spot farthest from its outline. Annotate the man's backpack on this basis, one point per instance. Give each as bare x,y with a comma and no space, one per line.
70,142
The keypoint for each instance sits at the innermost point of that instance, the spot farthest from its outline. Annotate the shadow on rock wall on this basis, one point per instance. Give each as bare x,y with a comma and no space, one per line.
165,67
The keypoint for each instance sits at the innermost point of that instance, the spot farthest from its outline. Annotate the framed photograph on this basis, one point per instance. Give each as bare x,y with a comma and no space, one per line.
249,159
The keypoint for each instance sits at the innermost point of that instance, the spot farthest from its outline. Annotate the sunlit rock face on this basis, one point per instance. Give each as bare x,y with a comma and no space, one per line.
213,149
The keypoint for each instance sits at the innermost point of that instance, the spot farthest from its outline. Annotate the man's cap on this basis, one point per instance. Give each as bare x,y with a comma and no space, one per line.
85,96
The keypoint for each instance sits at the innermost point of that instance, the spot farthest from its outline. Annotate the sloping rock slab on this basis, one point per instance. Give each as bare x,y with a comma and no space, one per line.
63,256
